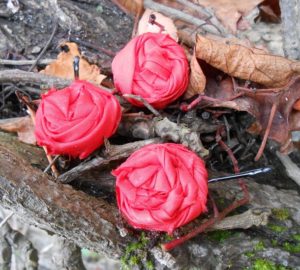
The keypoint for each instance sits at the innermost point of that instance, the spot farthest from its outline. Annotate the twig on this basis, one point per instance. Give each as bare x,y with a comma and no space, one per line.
13,75
292,170
31,107
172,12
172,244
146,103
45,48
267,132
50,164
226,148
117,152
92,46
3,222
20,76
24,62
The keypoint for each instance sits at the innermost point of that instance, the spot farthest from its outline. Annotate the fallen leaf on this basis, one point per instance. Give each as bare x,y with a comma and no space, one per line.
259,104
23,126
197,79
270,11
247,63
297,105
130,6
168,24
229,12
63,66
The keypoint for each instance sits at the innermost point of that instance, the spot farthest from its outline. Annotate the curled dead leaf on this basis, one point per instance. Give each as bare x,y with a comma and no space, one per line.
245,63
229,12
197,79
130,6
63,66
168,24
23,126
272,108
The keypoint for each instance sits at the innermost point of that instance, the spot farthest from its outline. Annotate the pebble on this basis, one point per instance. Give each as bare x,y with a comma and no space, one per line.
36,49
254,36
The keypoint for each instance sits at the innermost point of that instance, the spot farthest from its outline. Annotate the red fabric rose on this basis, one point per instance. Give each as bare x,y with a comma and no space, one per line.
152,66
76,120
161,187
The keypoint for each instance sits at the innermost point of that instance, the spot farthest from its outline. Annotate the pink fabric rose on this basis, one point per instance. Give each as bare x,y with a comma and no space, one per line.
161,187
152,66
75,120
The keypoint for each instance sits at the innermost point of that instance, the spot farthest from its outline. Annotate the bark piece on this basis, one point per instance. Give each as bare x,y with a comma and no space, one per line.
87,221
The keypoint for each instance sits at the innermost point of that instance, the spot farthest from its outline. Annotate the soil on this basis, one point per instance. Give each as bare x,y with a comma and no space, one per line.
102,24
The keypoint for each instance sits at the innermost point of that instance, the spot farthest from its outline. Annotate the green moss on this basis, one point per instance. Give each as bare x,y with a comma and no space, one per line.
136,254
274,243
219,236
263,264
134,260
250,254
296,237
259,246
168,237
281,213
149,265
277,228
291,247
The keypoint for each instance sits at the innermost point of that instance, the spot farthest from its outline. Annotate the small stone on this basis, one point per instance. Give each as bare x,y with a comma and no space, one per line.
35,50
276,47
254,37
272,37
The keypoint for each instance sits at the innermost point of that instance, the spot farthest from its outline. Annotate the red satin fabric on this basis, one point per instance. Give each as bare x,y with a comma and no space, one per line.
152,66
161,187
75,120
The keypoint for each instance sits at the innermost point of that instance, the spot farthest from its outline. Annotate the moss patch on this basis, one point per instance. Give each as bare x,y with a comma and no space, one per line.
281,213
219,236
263,264
136,254
259,246
292,248
277,228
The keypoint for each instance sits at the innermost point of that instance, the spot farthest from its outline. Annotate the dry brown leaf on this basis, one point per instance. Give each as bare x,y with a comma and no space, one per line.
229,12
259,104
63,66
297,105
21,125
131,6
245,63
197,79
144,25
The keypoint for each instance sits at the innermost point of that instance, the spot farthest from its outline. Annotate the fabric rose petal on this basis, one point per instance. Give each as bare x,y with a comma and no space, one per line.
161,187
153,66
75,120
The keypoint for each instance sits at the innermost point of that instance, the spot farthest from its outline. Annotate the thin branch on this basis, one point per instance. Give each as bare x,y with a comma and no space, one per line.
3,222
117,152
24,62
20,76
174,13
145,102
45,48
